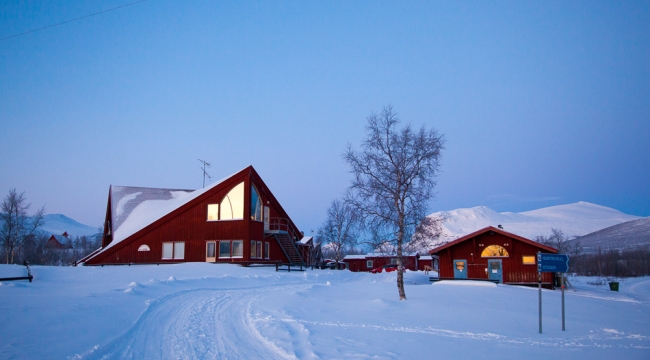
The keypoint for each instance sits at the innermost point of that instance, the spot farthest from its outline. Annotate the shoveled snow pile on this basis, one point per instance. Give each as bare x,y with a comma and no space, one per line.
576,219
208,311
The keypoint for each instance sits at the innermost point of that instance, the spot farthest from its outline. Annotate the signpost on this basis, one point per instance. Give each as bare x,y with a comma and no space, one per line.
558,263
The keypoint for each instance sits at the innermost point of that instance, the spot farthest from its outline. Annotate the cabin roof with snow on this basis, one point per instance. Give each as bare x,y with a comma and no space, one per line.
496,230
236,219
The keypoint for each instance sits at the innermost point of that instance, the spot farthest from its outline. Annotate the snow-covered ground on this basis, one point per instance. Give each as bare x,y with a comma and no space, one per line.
212,311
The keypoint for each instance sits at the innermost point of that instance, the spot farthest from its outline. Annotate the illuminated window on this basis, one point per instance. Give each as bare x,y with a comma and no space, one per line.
460,265
528,260
494,251
369,264
213,212
232,205
256,205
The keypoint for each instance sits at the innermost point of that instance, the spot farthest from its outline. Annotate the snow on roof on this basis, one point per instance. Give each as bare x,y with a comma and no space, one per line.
306,239
353,257
380,254
134,208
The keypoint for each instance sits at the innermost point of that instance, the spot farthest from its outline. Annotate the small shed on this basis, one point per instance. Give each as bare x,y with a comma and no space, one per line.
493,254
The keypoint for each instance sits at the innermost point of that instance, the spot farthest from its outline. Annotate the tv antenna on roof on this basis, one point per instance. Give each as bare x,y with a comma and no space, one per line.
205,163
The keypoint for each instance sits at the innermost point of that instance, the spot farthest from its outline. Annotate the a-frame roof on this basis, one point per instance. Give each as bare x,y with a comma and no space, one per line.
135,208
499,231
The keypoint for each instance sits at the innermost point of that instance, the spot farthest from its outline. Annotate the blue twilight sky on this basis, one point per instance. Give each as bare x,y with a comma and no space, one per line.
542,103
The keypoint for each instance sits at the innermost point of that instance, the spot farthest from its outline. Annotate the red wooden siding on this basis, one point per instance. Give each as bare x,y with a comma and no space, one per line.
356,264
189,224
513,269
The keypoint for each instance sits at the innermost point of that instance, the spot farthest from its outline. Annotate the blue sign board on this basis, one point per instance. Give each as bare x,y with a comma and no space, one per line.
552,263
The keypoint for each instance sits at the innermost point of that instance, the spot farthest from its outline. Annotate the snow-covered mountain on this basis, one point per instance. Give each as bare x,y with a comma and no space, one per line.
628,235
56,224
575,219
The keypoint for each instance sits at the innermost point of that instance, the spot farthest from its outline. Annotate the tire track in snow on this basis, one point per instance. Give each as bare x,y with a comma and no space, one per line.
197,324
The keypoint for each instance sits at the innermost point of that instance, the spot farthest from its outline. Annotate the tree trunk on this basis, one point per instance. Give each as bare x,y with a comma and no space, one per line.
400,274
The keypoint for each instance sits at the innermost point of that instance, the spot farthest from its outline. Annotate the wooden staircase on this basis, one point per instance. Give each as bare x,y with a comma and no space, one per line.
289,247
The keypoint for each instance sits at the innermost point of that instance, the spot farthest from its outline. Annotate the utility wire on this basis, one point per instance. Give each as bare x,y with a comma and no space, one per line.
68,21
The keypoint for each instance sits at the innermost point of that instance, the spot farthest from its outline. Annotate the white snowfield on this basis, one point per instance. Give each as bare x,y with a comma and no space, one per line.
575,219
208,311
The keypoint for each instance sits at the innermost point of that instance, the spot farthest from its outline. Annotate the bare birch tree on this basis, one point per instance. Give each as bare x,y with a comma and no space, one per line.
340,229
17,225
394,176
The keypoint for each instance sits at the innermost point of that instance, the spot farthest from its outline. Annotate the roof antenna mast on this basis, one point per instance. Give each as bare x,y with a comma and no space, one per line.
205,163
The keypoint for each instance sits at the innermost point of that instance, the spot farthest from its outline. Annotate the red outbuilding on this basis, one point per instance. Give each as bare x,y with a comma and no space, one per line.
371,261
235,220
493,254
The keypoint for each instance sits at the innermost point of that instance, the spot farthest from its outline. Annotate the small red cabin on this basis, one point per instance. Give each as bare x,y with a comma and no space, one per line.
236,220
371,261
493,254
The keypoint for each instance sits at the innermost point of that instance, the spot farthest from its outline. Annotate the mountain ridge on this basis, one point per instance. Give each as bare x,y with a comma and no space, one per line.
575,219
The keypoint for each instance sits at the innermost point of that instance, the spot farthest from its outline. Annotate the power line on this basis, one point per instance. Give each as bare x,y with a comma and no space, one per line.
68,21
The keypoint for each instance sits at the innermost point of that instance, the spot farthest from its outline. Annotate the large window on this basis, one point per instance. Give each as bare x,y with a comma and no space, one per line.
494,251
231,207
256,205
173,250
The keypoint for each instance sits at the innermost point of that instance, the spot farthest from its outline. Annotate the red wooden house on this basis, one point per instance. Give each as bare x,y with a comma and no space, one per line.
493,254
59,241
371,261
236,220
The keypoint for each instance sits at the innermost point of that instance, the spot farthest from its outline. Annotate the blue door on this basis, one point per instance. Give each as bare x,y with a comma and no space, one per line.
495,271
460,269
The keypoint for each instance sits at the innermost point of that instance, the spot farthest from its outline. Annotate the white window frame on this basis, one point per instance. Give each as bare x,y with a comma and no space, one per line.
144,247
176,248
369,264
170,250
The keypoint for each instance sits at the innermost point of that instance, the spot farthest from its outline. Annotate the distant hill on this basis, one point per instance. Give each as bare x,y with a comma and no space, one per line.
56,224
575,219
628,235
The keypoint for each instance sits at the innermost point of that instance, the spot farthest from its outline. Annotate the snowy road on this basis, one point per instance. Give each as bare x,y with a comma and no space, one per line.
200,324
208,311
